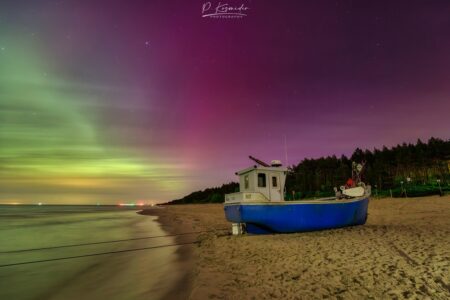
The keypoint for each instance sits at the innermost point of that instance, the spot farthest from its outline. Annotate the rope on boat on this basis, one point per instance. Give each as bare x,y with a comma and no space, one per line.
106,242
94,254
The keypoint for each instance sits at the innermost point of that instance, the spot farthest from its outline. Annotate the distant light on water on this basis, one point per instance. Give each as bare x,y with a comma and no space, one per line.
126,204
137,203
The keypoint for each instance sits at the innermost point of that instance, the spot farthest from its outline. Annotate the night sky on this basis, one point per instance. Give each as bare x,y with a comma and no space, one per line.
125,101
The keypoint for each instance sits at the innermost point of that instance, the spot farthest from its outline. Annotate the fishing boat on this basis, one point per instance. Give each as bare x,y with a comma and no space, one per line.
260,207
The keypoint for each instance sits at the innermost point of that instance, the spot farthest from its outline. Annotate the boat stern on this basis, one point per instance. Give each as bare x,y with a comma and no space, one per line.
233,213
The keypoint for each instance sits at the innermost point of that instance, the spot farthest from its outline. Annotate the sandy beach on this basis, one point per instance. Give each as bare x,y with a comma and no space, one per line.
403,252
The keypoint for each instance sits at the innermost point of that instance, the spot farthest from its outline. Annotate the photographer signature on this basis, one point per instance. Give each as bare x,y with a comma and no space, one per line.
223,10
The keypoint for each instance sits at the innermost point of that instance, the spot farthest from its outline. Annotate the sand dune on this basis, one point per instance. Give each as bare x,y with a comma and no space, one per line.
403,252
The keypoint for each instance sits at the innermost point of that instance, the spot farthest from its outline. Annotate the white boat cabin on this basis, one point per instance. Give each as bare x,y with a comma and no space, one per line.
260,183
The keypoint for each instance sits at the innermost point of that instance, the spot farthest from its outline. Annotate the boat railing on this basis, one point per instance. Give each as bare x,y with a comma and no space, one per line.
245,197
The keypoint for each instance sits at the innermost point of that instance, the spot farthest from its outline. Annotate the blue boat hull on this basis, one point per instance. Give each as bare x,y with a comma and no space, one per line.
297,216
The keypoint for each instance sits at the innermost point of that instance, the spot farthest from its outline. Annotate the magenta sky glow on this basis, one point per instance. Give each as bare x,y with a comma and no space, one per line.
195,96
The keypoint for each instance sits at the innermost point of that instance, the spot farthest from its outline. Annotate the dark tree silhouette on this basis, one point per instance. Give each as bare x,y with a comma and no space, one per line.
387,170
209,195
423,163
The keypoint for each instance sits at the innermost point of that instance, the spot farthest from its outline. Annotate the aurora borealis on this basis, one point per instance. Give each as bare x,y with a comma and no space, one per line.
110,101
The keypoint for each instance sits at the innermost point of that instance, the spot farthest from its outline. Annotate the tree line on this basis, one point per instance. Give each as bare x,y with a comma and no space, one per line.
420,168
403,170
209,195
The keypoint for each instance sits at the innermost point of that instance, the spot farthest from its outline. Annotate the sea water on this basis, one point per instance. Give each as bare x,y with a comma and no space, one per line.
136,274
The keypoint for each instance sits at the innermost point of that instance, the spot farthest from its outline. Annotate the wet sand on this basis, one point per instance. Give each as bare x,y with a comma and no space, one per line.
403,252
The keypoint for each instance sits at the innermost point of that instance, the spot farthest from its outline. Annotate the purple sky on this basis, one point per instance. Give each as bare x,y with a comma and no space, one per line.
190,98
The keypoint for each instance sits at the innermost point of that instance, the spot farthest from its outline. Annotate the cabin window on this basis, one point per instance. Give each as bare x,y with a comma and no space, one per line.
246,182
261,180
274,181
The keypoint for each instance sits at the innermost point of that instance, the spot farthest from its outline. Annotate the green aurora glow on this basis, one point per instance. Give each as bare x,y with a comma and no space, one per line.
50,150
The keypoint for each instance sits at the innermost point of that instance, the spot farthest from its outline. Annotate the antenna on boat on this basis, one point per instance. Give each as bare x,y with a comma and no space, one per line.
285,151
258,161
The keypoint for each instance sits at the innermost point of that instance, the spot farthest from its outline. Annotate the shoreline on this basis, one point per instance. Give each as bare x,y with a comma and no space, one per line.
183,286
176,219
